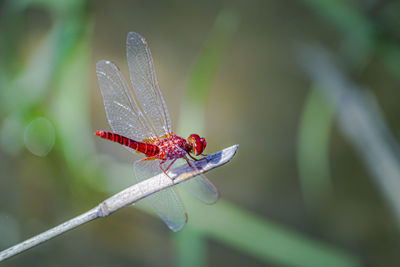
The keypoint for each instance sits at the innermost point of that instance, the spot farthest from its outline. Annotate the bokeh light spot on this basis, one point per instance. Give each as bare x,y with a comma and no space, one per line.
39,136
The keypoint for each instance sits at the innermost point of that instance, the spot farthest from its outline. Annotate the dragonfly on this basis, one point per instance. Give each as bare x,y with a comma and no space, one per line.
139,119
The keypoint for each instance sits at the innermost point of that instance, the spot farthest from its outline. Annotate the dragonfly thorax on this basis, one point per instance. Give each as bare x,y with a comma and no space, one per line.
172,147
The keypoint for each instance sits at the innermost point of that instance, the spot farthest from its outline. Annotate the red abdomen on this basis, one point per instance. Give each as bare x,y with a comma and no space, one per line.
149,150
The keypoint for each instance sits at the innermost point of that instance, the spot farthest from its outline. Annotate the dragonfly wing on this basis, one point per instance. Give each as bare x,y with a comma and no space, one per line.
123,113
199,186
202,188
145,85
167,203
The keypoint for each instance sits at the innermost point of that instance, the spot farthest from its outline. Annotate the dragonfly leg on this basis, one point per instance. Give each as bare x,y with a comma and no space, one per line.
191,165
149,158
172,162
193,158
165,170
188,161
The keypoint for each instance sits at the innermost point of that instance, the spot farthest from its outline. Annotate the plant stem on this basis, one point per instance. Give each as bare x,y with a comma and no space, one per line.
127,197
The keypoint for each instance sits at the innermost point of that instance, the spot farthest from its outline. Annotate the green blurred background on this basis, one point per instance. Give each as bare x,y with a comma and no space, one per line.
297,193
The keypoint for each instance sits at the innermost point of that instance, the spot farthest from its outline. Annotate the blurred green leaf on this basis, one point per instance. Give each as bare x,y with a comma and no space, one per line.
364,34
53,6
70,108
313,149
264,240
191,247
391,56
29,86
204,71
345,16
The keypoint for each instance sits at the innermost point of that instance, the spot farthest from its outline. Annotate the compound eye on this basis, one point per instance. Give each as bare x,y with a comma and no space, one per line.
197,144
198,147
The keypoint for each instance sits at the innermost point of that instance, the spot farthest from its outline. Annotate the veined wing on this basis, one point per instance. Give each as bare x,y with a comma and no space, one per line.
167,203
145,85
123,113
199,186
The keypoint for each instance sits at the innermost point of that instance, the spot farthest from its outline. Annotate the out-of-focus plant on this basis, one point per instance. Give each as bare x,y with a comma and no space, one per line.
313,150
44,95
369,32
361,122
48,83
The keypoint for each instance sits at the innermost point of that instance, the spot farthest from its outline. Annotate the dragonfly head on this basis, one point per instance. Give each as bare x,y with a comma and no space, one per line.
198,144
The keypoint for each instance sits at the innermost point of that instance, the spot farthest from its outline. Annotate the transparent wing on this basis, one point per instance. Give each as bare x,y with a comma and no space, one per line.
123,113
167,202
199,186
145,85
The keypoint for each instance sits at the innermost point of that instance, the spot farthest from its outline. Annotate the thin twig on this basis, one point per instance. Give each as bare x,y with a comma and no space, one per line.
127,197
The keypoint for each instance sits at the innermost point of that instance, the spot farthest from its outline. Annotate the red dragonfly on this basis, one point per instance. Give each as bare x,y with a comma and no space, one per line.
150,123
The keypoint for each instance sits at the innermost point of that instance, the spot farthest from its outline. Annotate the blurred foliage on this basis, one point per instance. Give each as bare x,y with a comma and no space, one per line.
51,171
313,150
368,29
204,70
